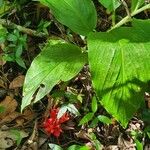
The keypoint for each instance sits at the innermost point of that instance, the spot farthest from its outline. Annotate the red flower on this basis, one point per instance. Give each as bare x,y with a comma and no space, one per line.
52,125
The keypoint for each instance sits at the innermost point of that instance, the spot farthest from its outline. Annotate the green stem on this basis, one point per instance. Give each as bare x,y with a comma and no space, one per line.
113,18
9,24
128,18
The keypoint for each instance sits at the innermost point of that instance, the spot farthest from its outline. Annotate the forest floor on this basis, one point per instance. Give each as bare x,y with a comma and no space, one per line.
24,131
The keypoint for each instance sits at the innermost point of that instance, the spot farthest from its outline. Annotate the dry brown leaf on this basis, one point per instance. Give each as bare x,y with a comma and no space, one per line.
17,82
28,115
10,117
10,106
9,113
83,135
19,122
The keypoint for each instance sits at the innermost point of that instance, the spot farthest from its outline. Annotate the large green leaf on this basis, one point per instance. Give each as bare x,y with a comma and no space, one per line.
119,63
57,62
78,15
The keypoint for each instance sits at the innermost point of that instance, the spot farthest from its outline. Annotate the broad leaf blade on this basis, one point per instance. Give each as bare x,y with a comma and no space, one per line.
119,63
57,62
78,15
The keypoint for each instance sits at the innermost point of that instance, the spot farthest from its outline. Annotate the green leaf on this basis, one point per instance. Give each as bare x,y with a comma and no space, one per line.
4,7
62,111
147,131
97,144
110,5
78,147
12,37
2,109
135,4
139,145
18,135
119,63
54,147
1,3
3,34
94,122
78,15
86,118
148,134
19,50
94,104
104,119
57,62
20,62
71,108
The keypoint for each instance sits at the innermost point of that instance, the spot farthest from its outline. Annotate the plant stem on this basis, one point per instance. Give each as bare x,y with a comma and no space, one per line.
128,18
11,25
113,18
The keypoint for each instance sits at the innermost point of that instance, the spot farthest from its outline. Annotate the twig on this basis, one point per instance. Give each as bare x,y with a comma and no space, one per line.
11,25
128,18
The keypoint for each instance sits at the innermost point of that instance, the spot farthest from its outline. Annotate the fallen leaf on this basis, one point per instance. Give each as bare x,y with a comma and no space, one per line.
28,114
10,117
83,135
8,138
10,106
17,82
24,118
9,113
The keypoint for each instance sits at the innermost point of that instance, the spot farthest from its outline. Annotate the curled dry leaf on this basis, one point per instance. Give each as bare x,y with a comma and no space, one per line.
17,82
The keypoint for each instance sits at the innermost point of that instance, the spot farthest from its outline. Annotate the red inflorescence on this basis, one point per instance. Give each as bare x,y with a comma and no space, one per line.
52,125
